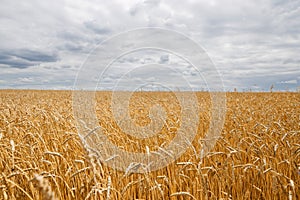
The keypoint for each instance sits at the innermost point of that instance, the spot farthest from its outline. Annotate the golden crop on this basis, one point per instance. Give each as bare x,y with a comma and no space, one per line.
256,157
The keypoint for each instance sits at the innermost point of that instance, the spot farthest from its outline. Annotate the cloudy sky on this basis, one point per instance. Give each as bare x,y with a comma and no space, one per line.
254,44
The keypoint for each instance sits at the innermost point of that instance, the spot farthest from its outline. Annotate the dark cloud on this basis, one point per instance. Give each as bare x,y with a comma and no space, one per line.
24,58
164,59
11,62
35,56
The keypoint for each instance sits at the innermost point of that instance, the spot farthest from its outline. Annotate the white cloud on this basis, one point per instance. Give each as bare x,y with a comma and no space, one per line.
251,42
26,80
289,82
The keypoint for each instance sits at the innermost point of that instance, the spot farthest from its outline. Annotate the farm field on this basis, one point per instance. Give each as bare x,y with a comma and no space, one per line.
256,157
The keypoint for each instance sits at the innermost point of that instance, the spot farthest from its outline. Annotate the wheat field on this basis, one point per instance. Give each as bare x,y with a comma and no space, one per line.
256,157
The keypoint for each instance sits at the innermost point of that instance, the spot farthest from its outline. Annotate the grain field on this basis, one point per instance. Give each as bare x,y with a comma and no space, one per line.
256,157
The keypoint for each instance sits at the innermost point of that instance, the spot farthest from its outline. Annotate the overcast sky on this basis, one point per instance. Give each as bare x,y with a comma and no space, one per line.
254,44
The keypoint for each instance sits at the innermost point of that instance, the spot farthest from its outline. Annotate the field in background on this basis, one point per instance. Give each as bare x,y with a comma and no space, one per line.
257,156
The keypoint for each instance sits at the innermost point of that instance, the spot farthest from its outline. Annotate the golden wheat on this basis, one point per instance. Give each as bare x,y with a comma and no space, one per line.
257,156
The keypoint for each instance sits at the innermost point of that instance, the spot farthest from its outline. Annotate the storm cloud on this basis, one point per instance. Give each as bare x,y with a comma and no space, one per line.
24,58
